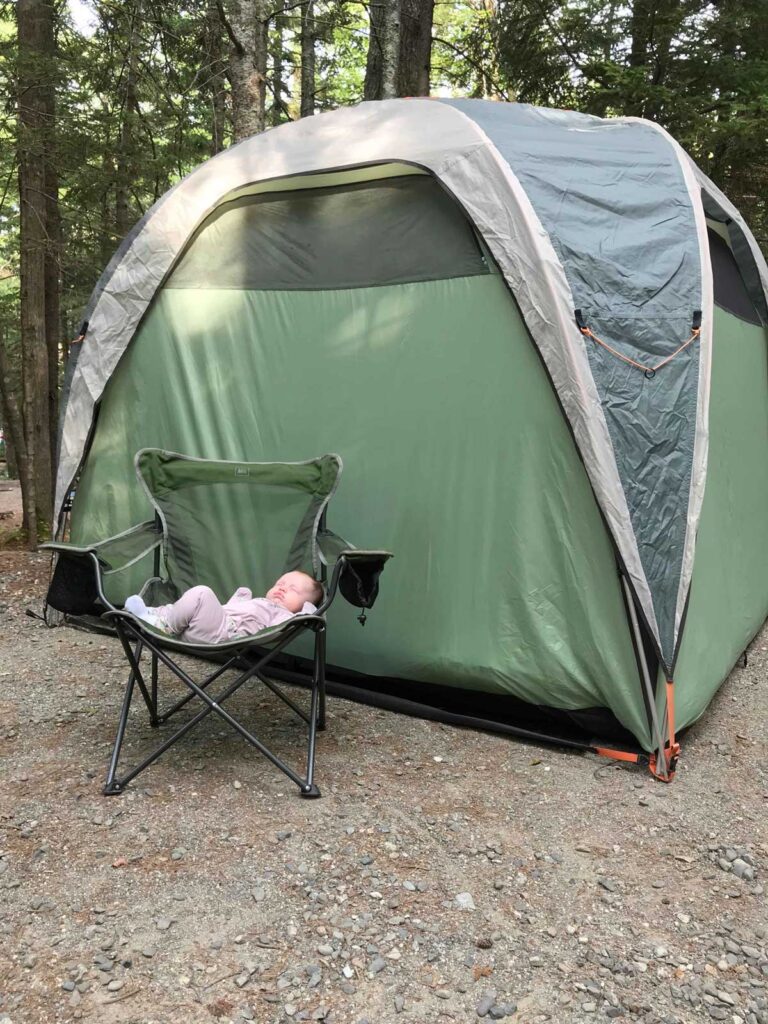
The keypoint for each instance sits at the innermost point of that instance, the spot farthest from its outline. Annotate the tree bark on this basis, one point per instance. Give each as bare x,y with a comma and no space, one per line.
641,31
307,107
126,158
376,30
415,47
399,49
214,31
247,24
53,326
10,416
36,114
390,49
279,107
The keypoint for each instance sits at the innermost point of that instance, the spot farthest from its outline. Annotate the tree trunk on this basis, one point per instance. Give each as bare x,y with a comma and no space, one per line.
390,49
10,416
36,112
214,31
279,107
389,46
126,159
247,26
415,47
307,59
641,30
376,29
53,304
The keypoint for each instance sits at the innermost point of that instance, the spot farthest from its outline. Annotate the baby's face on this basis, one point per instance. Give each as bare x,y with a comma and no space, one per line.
291,591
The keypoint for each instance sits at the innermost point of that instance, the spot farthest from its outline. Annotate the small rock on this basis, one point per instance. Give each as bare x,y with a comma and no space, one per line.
164,923
502,1010
464,901
485,1004
377,965
741,869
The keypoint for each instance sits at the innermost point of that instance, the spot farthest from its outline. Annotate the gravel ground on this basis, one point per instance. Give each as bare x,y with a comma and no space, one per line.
446,875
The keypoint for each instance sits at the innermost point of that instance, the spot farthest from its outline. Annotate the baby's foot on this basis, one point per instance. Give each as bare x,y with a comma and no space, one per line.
135,605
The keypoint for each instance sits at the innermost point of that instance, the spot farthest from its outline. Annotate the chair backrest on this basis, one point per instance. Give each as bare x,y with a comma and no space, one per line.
230,524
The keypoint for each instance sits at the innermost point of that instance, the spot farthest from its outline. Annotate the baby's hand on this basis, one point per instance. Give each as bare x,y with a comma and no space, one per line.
242,594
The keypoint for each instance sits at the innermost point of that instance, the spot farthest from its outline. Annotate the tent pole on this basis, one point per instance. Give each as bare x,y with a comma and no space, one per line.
646,676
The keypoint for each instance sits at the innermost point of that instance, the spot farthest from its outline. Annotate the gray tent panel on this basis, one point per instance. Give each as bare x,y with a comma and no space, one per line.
612,197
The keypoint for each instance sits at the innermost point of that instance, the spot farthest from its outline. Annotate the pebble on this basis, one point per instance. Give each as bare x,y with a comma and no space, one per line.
377,965
464,901
502,1010
486,1002
164,923
741,869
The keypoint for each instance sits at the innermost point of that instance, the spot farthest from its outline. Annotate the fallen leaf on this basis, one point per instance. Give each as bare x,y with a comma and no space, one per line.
221,1008
482,971
119,863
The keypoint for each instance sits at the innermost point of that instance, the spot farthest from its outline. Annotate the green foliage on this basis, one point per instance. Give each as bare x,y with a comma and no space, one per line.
135,95
698,69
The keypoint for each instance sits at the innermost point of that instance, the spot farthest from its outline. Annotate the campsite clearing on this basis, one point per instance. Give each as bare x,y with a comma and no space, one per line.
445,872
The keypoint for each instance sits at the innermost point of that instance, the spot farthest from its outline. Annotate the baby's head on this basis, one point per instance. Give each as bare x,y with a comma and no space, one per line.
293,590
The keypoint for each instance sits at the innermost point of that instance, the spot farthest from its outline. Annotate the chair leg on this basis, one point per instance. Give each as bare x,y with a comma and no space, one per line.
316,714
111,788
154,721
320,668
306,785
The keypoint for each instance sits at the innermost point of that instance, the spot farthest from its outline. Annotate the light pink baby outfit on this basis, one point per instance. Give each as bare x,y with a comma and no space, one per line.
199,616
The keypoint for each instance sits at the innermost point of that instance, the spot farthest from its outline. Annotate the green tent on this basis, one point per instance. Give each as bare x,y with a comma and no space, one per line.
538,341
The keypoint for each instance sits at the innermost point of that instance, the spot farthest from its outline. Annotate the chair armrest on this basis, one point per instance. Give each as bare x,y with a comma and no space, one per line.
77,586
120,551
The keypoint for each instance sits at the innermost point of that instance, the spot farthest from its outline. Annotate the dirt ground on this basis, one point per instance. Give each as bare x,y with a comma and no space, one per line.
10,508
446,875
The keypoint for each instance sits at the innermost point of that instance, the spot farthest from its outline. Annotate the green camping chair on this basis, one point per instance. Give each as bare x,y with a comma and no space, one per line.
219,524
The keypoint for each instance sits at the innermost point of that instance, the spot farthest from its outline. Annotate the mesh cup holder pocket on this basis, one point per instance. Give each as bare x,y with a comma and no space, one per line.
73,586
359,581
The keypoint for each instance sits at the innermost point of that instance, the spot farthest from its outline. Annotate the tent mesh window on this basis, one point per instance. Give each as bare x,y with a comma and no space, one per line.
320,239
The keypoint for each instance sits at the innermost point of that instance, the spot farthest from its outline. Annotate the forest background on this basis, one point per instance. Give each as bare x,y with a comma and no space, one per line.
107,103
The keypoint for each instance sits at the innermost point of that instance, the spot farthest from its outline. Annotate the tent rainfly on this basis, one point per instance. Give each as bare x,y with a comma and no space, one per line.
538,340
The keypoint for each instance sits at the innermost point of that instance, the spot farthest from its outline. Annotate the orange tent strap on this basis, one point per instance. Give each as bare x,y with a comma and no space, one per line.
618,755
640,366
